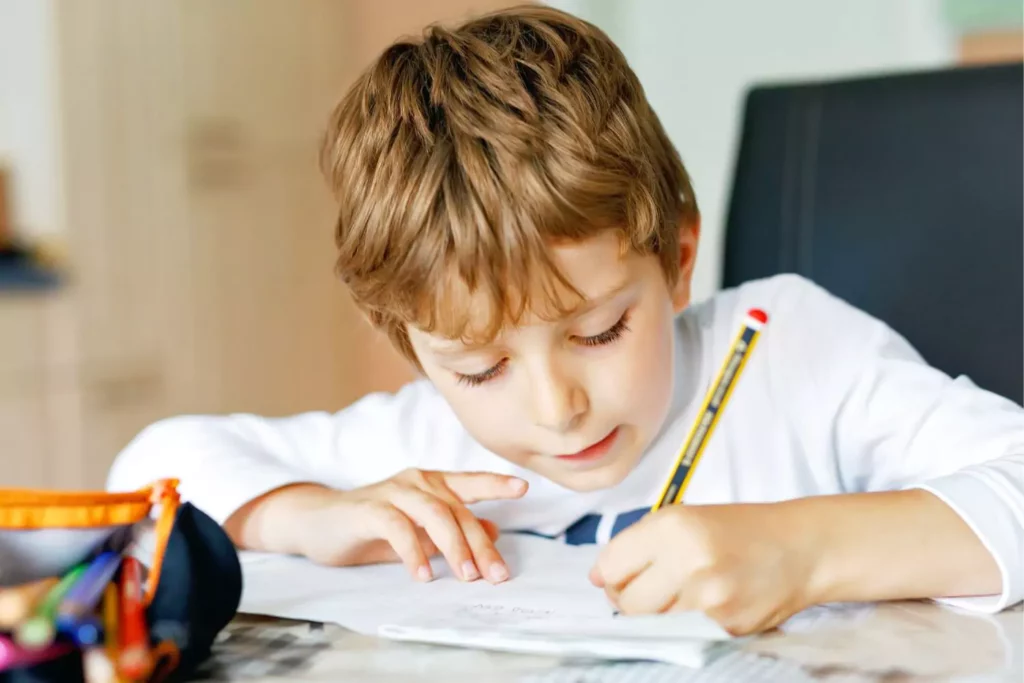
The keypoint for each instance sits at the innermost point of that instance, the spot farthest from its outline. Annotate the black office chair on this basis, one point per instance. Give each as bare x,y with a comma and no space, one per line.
902,194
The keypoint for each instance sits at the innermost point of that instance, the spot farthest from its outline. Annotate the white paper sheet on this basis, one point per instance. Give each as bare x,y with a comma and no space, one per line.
548,606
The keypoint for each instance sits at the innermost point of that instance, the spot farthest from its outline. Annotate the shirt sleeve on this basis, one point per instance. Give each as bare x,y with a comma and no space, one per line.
900,423
226,461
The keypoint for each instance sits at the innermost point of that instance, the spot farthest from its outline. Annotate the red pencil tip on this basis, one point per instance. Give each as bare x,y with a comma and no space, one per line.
758,315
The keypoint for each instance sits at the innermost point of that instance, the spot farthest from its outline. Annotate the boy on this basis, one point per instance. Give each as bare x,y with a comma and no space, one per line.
514,217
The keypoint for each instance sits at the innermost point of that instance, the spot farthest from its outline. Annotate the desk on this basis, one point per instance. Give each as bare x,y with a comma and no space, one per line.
902,641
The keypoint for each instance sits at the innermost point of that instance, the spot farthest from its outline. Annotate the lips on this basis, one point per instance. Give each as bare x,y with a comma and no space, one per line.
594,451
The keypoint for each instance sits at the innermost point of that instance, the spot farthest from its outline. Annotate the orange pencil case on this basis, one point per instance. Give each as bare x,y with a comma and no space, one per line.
193,584
45,533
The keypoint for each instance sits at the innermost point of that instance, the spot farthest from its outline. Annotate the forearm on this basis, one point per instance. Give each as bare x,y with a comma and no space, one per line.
272,522
225,462
891,545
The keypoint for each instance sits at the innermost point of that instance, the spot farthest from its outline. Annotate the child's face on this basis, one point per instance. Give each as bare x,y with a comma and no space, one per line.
579,399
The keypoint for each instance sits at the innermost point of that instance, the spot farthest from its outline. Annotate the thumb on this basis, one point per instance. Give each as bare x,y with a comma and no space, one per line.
473,487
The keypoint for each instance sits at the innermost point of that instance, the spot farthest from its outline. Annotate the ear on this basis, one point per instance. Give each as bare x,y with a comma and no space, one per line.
689,238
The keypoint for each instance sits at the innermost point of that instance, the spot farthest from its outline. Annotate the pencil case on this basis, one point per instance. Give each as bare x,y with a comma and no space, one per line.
192,587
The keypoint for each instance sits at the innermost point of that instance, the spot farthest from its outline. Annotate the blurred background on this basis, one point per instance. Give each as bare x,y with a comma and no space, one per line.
166,240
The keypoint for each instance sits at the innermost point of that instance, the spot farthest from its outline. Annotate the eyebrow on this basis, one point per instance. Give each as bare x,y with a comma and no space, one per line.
461,350
596,302
576,312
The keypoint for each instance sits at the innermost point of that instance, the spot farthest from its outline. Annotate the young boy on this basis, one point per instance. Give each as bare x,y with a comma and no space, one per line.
514,217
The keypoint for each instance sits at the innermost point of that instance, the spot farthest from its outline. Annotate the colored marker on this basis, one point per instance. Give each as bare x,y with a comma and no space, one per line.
75,612
85,632
14,656
18,602
85,594
98,660
135,660
38,631
711,411
111,615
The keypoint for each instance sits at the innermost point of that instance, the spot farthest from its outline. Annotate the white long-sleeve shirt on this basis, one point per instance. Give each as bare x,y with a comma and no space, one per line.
831,401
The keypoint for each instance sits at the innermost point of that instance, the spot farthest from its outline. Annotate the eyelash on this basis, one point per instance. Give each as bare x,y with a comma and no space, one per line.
612,334
481,377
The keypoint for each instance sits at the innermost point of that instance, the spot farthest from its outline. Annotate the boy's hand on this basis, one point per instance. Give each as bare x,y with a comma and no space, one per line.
744,566
409,518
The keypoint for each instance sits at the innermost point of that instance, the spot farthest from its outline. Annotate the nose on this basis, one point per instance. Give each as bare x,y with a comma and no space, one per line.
559,400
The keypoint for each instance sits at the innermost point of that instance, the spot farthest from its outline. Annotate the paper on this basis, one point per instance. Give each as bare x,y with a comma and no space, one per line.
547,607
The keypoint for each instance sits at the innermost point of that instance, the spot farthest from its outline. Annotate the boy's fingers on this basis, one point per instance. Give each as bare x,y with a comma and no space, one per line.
436,518
473,487
487,558
480,538
429,549
404,538
649,592
620,561
493,532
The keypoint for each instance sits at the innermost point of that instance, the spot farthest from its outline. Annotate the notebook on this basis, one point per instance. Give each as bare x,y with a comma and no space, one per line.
547,607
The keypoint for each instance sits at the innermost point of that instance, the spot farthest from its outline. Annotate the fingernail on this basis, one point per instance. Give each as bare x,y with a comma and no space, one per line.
517,484
469,571
499,572
423,573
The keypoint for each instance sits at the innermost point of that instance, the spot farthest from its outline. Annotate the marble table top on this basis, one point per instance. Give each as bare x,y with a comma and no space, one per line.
900,641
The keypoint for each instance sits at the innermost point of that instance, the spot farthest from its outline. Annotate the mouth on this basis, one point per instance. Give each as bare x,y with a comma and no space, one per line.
593,452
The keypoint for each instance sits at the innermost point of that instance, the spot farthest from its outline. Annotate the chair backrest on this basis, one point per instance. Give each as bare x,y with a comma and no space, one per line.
902,194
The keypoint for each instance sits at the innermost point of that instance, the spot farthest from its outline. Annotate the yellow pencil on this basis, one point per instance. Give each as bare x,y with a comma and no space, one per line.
110,612
714,404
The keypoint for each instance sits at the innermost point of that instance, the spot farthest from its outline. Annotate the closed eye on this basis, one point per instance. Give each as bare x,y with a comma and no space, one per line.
610,335
481,377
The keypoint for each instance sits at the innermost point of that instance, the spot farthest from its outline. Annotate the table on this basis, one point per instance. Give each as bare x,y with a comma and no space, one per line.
899,641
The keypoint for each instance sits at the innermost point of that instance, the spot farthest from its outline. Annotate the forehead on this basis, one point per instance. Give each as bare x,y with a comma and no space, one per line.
579,273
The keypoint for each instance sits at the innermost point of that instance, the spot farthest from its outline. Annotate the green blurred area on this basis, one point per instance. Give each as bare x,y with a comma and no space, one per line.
971,16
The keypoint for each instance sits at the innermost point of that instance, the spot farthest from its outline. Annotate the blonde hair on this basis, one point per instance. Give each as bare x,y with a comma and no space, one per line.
458,159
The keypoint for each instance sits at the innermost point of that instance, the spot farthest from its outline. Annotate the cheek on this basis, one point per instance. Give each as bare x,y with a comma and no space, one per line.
640,383
482,413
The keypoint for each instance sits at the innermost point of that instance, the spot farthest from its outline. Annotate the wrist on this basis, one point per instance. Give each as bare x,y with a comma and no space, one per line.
296,522
834,547
278,521
824,577
806,533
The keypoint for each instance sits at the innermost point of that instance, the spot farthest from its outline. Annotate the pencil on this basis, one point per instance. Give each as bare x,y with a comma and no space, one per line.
75,612
38,631
709,414
135,661
85,594
111,615
18,602
14,656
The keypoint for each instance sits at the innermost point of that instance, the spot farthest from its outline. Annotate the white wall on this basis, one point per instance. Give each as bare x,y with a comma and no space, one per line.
696,59
29,115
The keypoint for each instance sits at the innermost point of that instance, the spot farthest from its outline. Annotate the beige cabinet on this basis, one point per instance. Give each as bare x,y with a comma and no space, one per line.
22,407
198,229
270,318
